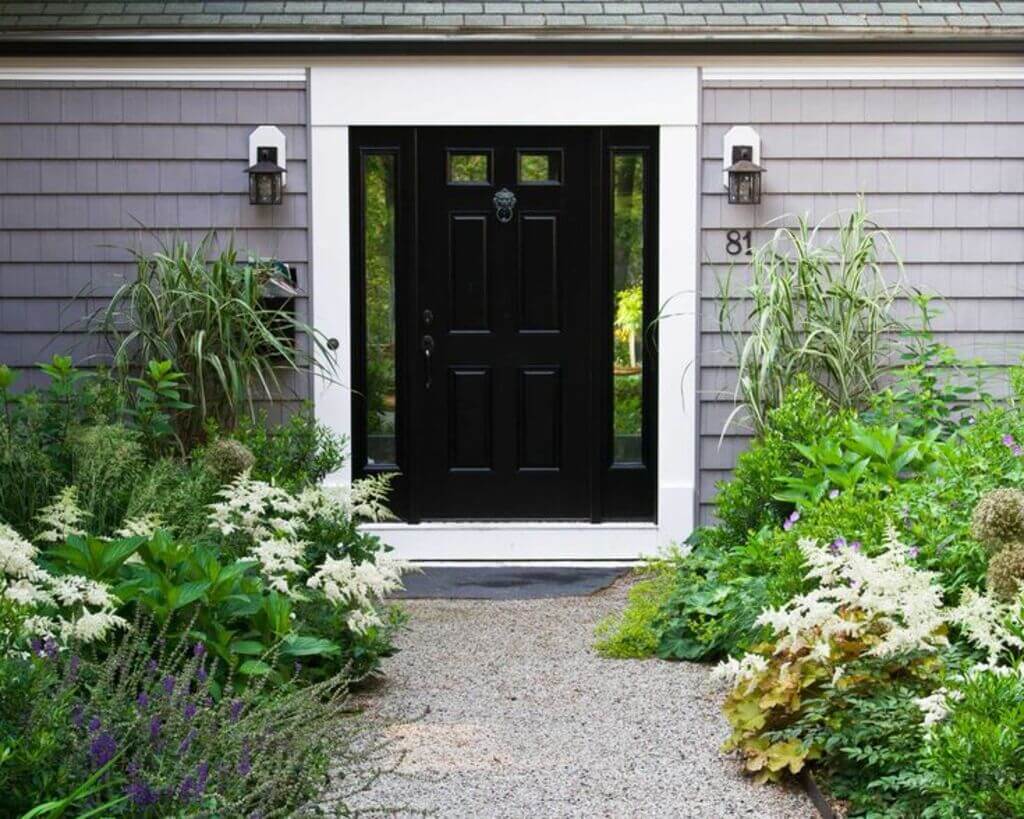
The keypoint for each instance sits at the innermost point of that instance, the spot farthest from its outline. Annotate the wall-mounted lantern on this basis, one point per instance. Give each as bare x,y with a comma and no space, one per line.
267,169
741,169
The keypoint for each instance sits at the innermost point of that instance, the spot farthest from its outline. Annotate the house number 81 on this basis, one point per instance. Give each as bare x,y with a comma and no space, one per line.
737,243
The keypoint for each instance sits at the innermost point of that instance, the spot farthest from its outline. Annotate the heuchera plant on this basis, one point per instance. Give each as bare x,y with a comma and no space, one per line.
869,621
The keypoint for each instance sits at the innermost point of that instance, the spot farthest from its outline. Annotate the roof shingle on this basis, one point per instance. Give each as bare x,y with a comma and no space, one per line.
938,17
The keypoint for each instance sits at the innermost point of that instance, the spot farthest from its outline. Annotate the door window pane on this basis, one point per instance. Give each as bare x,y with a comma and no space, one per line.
379,191
628,284
469,168
540,167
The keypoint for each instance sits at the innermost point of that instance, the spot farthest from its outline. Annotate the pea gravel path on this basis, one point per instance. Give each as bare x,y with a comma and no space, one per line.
518,717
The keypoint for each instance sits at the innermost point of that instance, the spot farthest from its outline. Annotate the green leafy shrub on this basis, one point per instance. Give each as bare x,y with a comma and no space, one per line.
634,633
748,501
298,453
974,755
179,494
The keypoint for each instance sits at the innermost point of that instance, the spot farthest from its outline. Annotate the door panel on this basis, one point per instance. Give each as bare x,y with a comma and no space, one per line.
505,433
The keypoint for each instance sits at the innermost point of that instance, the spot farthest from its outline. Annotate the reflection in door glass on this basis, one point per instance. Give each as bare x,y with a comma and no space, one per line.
627,283
379,193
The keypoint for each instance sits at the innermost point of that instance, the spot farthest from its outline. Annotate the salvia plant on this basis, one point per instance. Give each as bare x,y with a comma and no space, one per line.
150,737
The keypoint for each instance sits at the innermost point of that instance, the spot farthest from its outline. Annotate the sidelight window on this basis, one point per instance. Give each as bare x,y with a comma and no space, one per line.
628,255
379,252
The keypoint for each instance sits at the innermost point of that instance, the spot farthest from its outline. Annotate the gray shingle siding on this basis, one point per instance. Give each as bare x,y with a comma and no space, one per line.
756,16
941,165
82,166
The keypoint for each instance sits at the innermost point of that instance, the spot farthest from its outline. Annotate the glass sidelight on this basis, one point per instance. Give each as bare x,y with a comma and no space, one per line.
379,252
628,255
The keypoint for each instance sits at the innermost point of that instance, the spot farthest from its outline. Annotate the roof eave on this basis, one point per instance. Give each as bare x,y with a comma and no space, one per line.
464,40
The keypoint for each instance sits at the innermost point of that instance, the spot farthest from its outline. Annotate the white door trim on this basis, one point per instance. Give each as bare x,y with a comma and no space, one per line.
521,92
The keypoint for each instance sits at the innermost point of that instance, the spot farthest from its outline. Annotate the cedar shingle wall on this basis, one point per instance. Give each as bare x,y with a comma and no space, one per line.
941,166
82,166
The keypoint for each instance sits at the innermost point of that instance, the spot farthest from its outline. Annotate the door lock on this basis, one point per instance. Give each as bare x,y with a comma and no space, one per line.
427,345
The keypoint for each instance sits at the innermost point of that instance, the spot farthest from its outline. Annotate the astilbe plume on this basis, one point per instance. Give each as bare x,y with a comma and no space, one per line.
882,601
66,606
275,521
62,518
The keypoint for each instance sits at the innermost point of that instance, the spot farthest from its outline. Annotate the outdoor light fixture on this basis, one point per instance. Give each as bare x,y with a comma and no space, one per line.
266,166
741,173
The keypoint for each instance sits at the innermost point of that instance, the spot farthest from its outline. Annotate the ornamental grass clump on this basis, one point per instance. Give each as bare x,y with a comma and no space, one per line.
820,307
210,314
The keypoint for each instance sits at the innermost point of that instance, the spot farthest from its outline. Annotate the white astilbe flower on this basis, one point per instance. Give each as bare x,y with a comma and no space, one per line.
92,626
141,526
17,556
255,508
62,518
902,606
280,559
736,672
65,606
359,585
984,621
362,621
935,706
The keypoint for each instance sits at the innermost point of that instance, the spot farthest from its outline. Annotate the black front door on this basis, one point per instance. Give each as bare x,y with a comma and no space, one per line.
502,424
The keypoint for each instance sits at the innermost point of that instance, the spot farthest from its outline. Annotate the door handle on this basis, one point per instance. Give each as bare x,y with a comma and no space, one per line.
427,345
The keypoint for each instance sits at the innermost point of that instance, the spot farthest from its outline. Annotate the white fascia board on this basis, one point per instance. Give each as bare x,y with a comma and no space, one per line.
512,92
151,73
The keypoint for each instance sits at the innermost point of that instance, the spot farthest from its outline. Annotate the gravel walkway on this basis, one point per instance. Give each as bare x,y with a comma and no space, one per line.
518,717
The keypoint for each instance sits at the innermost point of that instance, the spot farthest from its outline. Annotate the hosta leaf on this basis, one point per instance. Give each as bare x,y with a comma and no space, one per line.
304,646
254,668
248,647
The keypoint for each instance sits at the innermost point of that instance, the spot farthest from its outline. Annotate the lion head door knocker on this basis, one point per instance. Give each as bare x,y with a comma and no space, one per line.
504,204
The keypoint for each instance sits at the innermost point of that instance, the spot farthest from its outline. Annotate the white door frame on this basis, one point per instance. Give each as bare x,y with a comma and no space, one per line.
523,92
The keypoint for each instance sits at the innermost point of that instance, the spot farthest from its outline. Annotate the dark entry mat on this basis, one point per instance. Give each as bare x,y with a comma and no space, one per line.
506,582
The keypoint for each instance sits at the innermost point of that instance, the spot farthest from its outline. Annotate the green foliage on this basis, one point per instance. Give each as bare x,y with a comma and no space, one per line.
158,400
882,455
35,734
213,319
825,310
298,453
634,632
871,743
106,463
974,756
180,493
628,418
748,502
